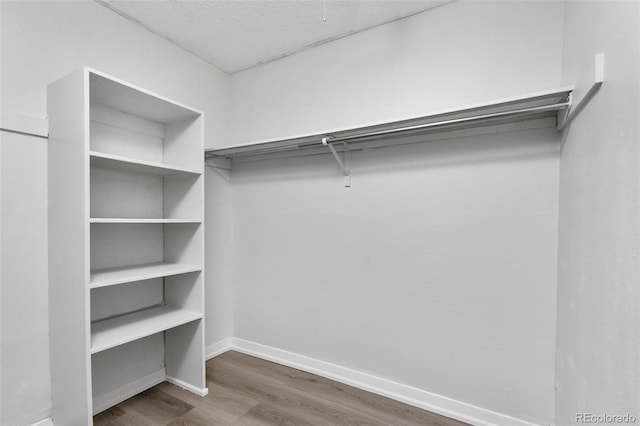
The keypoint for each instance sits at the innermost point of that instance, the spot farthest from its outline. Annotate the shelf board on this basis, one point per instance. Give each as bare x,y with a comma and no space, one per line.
117,331
126,97
127,274
132,165
140,220
535,106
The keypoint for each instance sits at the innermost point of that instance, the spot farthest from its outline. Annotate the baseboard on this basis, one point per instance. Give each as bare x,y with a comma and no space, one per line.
118,395
409,395
187,386
218,348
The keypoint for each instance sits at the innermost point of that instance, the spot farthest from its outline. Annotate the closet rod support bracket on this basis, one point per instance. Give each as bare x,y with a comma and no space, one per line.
568,115
344,165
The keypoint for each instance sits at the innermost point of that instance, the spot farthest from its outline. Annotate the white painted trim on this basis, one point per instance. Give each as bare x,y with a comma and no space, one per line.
187,386
400,392
116,396
44,422
218,348
14,122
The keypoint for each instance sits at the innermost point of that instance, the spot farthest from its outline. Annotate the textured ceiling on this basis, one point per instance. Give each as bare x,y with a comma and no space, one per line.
234,34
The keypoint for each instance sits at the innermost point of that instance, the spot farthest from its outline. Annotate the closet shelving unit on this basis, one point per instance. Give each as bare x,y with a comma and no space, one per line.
125,244
541,109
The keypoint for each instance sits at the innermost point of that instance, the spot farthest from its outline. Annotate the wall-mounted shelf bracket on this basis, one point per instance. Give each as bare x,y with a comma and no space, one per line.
566,117
344,164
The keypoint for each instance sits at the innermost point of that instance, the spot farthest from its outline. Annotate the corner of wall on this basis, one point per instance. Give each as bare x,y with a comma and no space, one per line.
598,303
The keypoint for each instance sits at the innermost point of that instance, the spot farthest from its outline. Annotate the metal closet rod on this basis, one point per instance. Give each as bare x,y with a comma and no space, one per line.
265,149
336,139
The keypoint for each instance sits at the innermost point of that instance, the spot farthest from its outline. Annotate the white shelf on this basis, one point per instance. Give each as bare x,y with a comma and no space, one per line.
127,274
140,220
132,165
535,106
117,331
129,98
139,176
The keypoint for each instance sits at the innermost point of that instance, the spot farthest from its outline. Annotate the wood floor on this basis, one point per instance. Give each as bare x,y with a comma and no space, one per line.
248,391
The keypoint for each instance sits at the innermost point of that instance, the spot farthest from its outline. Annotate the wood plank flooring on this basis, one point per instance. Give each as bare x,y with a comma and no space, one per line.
248,391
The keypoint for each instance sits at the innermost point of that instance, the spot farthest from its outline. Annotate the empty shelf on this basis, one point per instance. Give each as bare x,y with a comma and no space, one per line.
126,274
140,220
117,331
535,106
132,165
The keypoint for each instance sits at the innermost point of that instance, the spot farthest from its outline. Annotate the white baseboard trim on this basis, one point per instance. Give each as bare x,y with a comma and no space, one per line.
44,422
409,395
116,396
187,386
218,348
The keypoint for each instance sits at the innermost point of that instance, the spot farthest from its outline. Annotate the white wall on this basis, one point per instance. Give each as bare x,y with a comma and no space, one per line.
45,40
438,268
24,328
460,53
218,263
599,284
42,41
